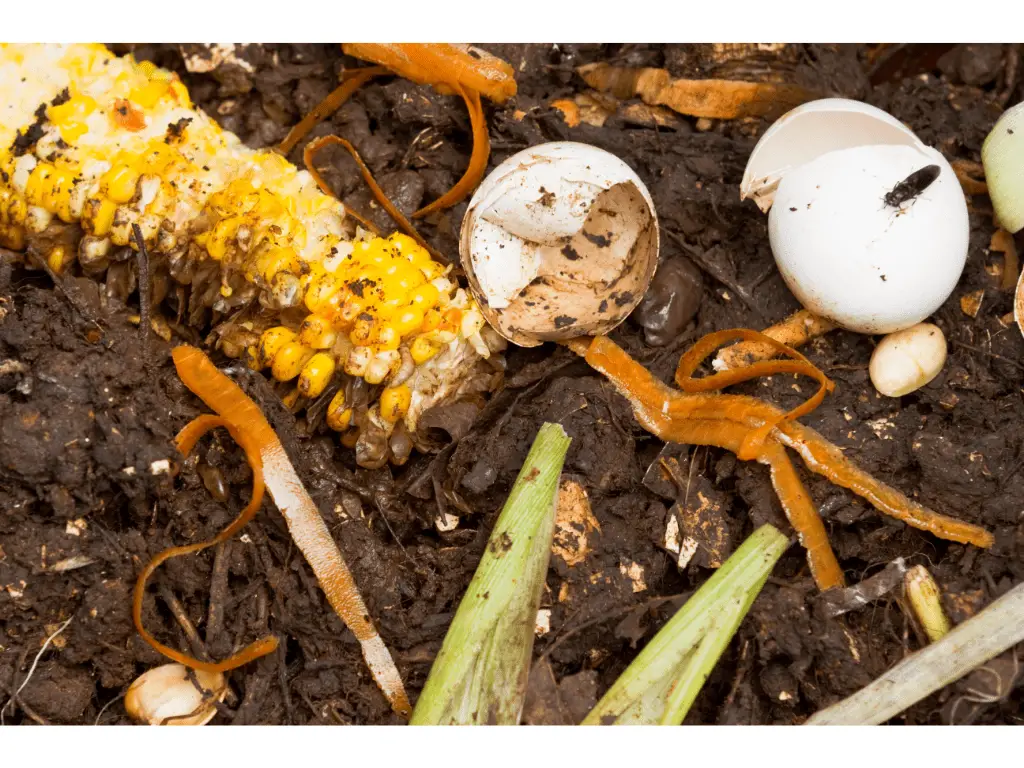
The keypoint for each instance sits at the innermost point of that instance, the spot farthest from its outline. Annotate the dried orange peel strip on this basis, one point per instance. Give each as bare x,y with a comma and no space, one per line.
477,160
251,430
309,154
185,442
727,421
351,82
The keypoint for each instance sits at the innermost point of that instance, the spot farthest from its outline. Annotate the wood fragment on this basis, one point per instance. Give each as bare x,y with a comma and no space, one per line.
970,175
711,98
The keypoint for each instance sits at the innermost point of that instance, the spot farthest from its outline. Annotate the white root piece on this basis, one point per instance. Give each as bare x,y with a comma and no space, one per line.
314,540
979,639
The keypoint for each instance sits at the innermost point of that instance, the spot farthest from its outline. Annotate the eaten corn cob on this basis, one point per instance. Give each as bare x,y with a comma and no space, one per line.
92,144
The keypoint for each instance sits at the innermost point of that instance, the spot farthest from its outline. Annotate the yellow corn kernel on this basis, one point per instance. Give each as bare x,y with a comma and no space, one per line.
223,231
102,218
56,259
271,342
404,244
178,90
148,95
408,321
394,402
38,186
316,374
289,400
320,291
317,332
431,320
388,338
119,183
338,416
424,297
400,276
289,360
382,366
422,349
363,332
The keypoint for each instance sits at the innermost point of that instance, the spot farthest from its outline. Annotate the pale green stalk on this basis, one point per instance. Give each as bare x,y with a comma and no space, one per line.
480,674
966,647
663,681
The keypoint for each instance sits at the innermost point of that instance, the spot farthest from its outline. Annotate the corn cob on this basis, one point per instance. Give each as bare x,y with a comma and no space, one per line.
92,144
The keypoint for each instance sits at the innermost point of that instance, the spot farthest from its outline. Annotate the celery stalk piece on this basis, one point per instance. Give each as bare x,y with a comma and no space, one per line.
662,682
963,649
479,676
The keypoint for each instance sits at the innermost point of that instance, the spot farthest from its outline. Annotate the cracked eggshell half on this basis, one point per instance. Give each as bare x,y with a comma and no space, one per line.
559,241
824,171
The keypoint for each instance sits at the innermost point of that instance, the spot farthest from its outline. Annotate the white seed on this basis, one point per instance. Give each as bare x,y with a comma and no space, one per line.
166,692
382,365
907,360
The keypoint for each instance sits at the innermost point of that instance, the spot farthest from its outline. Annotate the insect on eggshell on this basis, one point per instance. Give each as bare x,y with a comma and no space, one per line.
559,241
824,170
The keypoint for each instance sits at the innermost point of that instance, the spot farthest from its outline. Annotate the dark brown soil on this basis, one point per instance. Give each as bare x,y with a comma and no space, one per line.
87,414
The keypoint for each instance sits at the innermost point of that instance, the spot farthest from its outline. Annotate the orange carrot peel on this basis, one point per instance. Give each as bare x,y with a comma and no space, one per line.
755,430
450,69
250,429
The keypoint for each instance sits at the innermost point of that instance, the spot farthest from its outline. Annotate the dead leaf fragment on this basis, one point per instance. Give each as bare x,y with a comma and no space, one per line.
1002,242
718,99
969,174
970,303
635,573
574,522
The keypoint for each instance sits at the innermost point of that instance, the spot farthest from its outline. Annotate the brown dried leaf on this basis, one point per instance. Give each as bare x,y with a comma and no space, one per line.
574,522
1002,242
970,303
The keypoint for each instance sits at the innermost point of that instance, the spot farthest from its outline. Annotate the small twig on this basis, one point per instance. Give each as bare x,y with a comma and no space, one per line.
218,591
178,610
144,297
106,706
32,670
981,351
32,714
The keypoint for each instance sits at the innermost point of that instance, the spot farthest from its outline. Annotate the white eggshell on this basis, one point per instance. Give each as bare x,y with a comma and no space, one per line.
851,258
559,241
811,130
907,360
1002,154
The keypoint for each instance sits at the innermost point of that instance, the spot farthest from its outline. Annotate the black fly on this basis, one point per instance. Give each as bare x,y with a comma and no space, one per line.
912,186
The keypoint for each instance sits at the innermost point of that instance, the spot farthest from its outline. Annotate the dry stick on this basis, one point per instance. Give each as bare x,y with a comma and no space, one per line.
979,639
305,524
181,616
794,331
218,590
144,308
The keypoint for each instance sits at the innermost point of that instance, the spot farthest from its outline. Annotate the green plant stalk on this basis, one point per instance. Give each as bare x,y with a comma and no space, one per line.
480,673
663,681
966,647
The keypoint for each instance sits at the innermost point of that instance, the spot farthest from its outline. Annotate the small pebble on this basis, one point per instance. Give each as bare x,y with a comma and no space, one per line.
671,302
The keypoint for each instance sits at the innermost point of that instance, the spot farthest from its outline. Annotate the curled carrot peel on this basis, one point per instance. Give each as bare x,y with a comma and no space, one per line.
477,160
442,65
727,421
351,82
247,425
185,442
406,226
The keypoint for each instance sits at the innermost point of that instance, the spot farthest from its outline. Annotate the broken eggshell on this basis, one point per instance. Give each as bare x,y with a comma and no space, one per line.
559,241
850,248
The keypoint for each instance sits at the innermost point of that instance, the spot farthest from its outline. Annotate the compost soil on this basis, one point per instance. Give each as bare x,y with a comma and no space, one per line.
91,488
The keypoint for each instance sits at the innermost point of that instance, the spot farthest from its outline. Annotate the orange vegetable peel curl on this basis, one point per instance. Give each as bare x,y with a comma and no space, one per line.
271,467
755,430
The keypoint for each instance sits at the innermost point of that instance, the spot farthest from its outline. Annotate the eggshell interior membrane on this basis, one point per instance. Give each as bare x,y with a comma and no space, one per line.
811,130
850,257
560,241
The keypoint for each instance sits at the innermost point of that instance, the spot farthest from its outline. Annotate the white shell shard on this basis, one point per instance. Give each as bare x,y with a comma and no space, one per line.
559,241
811,130
165,695
851,258
1002,154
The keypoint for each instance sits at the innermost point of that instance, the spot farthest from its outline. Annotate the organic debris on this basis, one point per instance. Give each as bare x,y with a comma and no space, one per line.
717,99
